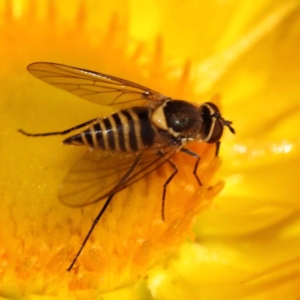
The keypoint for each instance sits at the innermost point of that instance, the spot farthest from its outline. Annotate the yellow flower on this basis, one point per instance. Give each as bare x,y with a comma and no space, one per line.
245,242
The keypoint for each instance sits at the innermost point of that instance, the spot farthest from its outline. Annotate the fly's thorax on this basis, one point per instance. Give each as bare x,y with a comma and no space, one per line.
186,121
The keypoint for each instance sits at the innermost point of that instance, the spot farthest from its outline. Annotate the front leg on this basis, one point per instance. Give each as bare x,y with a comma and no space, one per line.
218,145
195,155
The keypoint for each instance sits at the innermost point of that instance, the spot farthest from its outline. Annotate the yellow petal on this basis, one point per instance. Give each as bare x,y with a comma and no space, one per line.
247,241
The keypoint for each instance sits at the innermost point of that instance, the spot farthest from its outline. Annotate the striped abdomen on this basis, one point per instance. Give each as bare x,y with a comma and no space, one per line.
127,130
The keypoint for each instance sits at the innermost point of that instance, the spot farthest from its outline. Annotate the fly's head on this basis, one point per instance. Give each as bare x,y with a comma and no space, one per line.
212,123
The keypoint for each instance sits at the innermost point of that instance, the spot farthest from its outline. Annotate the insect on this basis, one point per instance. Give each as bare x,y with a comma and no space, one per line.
145,132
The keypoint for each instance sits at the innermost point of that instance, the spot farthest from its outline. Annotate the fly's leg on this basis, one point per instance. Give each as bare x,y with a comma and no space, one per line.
172,164
197,157
218,145
90,231
60,132
122,180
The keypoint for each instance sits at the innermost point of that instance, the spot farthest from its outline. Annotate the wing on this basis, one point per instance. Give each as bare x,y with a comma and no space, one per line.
99,174
96,87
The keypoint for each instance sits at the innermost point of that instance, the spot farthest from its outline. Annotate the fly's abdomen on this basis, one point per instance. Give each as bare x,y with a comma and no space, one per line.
128,130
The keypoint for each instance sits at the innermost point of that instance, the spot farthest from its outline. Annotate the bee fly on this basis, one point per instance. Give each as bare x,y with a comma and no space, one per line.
145,133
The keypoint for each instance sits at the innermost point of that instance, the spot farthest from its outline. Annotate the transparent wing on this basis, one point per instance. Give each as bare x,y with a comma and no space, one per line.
96,87
99,174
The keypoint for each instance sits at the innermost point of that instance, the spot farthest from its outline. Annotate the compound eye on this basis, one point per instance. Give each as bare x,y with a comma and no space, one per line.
213,107
217,132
